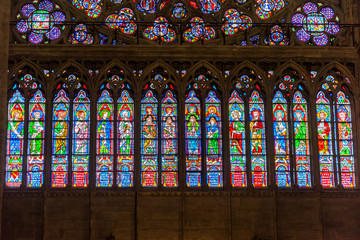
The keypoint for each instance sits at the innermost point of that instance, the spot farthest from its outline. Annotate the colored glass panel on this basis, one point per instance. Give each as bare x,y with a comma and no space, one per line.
60,149
257,140
81,140
35,162
169,135
15,140
125,145
345,143
193,140
301,141
104,140
323,111
149,140
281,140
237,141
214,167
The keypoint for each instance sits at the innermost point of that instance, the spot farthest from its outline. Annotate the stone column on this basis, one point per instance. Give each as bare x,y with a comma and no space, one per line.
4,55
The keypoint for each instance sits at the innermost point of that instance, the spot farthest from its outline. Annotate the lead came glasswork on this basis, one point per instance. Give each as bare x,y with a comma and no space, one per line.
35,163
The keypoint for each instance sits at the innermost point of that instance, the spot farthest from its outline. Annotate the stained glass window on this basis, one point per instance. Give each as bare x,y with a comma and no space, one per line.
104,140
301,141
345,140
149,140
60,146
281,143
169,148
125,146
193,140
326,159
15,140
81,140
257,140
213,141
35,163
237,141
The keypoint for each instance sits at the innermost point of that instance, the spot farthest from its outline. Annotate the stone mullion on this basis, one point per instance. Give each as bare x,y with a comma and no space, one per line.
159,140
270,150
247,140
115,142
203,142
225,140
70,141
181,142
291,140
48,140
25,140
137,141
92,145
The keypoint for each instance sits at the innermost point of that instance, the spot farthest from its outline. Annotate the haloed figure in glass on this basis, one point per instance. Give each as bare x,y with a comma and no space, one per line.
149,131
61,131
169,135
323,133
125,130
236,130
344,133
212,129
300,133
256,128
36,132
280,133
82,133
104,131
16,127
193,131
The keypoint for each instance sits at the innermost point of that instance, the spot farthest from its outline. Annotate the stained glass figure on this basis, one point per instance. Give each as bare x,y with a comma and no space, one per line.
276,37
301,141
266,8
35,163
235,22
15,140
125,145
209,6
345,141
81,140
105,140
179,11
281,140
160,30
316,22
193,140
213,141
92,8
124,21
326,160
169,135
237,141
257,141
81,35
198,31
39,19
60,146
149,140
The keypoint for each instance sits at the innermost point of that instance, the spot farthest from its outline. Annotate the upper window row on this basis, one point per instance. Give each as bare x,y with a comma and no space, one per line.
196,21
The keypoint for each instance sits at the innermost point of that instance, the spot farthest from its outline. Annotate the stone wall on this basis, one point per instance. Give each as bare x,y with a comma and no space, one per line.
195,216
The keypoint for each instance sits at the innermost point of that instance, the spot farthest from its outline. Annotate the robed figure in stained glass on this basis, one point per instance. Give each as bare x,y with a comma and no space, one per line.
169,134
82,132
104,131
36,130
236,132
61,131
149,131
300,131
212,130
256,129
280,132
125,131
344,131
16,129
323,133
193,131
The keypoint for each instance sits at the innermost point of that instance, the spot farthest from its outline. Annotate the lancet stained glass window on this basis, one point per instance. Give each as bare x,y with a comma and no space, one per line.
213,141
301,141
169,150
257,141
193,140
105,140
60,149
15,140
81,140
35,161
125,147
281,137
237,141
149,141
